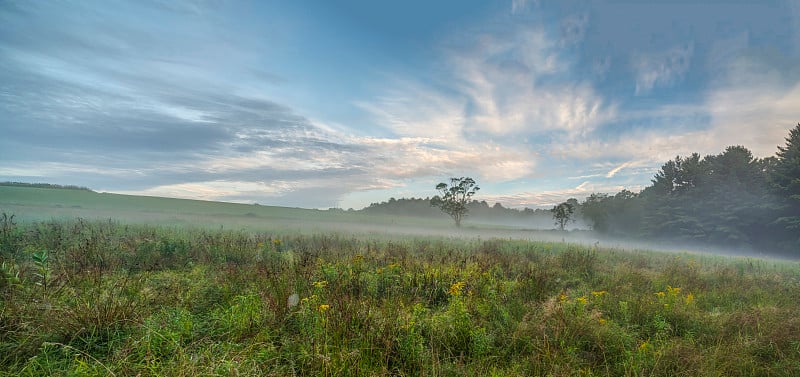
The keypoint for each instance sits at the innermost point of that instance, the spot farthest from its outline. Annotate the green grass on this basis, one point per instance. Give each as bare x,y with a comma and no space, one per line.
84,297
39,204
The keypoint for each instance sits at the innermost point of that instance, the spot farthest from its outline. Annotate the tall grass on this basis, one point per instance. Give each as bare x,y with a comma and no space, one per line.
112,299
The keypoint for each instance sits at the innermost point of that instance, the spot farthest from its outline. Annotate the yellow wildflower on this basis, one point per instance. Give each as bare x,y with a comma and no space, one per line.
660,294
602,321
320,284
563,297
673,291
689,299
260,245
324,307
599,293
583,300
276,242
643,347
455,289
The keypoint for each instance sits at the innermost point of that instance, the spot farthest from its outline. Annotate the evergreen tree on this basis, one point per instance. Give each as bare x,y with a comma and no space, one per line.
784,175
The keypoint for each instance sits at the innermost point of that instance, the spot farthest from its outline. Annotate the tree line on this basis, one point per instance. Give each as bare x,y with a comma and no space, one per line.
477,209
45,185
732,199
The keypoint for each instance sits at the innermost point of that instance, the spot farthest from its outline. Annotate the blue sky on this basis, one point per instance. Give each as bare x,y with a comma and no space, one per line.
323,103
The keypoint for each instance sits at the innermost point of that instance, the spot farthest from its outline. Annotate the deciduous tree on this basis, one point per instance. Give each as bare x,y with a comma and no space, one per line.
454,197
562,213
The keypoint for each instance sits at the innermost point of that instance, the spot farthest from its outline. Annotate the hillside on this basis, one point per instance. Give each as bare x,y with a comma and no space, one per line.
30,204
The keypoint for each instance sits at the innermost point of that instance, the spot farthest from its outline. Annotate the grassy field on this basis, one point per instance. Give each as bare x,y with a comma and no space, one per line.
38,204
44,204
125,298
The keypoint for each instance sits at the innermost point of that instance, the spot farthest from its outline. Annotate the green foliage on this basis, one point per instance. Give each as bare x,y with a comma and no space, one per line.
563,213
42,273
8,234
785,179
219,302
454,197
731,199
9,276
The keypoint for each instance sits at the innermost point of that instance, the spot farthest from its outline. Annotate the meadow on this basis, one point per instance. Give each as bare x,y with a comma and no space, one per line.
103,296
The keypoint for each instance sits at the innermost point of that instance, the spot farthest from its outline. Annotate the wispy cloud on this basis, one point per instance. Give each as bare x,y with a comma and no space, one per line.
511,85
573,29
518,6
546,198
661,69
611,173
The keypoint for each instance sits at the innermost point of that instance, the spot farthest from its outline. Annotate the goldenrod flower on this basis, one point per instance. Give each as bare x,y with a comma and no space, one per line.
673,291
689,299
324,307
455,289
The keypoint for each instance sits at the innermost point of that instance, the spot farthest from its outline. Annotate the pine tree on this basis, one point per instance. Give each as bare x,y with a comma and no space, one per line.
785,179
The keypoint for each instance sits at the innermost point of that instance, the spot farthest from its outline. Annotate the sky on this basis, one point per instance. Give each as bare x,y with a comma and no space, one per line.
320,104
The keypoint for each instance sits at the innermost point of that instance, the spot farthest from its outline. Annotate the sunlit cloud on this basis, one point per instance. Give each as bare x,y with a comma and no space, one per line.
549,198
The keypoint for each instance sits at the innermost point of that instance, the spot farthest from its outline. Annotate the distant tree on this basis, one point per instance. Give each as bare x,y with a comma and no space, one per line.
596,210
563,212
454,197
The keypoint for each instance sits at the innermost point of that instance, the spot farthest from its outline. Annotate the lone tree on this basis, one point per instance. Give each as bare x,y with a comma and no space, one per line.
562,213
454,197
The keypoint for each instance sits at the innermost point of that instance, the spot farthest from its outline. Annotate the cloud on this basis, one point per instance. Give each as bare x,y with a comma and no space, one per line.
547,198
432,138
216,190
661,69
752,103
512,83
573,28
519,6
794,11
611,173
504,87
517,97
756,105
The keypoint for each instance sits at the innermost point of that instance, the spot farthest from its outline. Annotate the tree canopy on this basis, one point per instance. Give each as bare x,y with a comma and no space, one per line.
731,198
454,197
563,212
